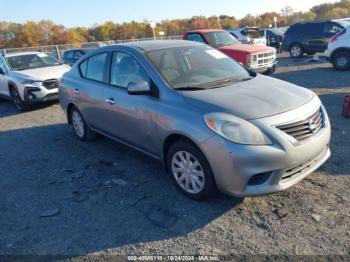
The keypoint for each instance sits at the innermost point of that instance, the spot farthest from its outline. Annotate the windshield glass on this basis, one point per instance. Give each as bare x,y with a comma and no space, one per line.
253,33
31,61
221,38
197,67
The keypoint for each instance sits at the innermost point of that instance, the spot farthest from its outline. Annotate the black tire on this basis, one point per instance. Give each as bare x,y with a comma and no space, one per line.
293,50
270,71
341,61
209,189
87,134
17,100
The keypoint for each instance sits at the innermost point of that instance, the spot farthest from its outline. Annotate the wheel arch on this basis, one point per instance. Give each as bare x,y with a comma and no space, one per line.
69,109
340,49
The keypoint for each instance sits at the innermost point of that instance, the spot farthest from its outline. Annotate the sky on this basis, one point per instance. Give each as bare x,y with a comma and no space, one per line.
72,13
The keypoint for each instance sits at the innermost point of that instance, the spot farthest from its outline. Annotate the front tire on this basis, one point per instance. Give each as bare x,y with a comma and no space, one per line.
81,129
341,61
17,100
190,171
296,51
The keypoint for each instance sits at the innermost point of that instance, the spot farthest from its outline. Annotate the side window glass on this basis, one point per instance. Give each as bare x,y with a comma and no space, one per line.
68,55
331,28
195,38
126,69
96,67
83,67
2,64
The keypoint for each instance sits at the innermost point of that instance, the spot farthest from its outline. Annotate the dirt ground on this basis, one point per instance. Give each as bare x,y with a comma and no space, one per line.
59,196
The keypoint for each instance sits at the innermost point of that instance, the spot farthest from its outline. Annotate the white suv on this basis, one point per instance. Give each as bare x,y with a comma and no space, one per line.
30,77
338,50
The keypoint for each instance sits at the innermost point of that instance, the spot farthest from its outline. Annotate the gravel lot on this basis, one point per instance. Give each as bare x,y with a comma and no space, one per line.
60,196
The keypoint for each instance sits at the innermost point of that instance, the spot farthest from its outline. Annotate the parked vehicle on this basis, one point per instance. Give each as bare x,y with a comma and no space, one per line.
92,45
249,35
338,50
73,55
212,123
274,37
30,77
261,59
310,37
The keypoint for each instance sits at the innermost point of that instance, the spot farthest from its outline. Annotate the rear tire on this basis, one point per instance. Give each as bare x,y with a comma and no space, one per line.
81,129
191,171
296,50
17,100
341,61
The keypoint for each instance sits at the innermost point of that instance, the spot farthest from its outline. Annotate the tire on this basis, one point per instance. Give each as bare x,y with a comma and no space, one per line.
341,61
270,71
194,180
81,129
17,100
296,51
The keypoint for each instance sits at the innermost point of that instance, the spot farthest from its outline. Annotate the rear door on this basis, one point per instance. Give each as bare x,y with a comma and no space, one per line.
317,37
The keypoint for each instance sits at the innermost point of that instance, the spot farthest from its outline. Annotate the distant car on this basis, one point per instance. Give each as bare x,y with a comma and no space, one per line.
310,37
274,37
212,123
249,35
261,59
31,77
93,45
70,57
338,50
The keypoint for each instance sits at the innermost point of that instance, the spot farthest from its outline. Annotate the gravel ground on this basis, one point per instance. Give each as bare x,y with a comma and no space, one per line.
60,196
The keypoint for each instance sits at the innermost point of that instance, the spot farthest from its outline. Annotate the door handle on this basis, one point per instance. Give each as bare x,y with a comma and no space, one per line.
76,91
110,101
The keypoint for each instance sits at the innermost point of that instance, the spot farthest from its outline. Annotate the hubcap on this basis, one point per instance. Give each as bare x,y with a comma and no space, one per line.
342,61
78,124
296,51
188,172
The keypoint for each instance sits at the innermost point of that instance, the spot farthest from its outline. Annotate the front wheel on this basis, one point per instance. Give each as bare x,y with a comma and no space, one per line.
191,171
81,129
296,51
270,71
341,61
17,100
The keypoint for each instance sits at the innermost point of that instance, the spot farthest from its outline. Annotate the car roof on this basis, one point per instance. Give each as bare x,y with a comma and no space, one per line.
22,53
151,45
205,30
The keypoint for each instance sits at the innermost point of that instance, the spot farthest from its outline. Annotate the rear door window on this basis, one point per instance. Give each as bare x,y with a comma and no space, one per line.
94,67
332,28
68,55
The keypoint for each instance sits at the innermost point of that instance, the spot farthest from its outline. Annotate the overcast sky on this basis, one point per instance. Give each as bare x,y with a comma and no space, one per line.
73,13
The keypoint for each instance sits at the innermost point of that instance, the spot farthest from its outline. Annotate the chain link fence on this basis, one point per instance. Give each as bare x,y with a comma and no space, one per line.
58,50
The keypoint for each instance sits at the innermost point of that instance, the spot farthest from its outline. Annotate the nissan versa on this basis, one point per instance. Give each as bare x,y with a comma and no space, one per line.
213,124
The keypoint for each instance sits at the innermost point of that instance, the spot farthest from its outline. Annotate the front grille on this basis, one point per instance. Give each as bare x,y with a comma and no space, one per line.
266,59
50,84
306,128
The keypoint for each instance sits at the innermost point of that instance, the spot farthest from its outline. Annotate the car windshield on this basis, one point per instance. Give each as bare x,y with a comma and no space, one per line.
31,61
253,33
221,38
197,67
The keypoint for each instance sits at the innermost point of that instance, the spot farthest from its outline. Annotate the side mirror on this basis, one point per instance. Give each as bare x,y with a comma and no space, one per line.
2,71
139,88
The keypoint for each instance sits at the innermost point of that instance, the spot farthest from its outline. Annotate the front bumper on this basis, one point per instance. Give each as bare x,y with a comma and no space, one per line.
34,95
263,68
284,163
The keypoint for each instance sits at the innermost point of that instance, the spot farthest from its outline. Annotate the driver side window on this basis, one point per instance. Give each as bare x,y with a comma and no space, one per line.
195,38
126,69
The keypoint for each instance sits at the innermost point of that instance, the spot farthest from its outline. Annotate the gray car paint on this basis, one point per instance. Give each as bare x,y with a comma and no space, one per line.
148,122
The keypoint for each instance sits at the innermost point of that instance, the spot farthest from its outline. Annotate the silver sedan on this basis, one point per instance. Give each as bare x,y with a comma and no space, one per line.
213,124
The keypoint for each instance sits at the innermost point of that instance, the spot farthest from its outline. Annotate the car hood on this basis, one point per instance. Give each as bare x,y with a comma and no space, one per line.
257,98
247,48
42,74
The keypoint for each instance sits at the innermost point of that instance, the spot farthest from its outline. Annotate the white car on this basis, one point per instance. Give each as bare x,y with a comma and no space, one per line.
249,35
338,50
31,77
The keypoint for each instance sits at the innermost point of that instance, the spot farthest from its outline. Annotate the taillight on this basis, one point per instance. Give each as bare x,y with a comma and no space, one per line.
336,37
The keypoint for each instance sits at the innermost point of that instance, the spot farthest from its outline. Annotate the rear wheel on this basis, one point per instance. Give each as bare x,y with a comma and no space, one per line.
341,61
191,171
17,100
81,129
296,50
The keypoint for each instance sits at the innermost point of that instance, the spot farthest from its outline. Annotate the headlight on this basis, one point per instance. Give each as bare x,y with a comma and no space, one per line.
253,58
30,82
236,129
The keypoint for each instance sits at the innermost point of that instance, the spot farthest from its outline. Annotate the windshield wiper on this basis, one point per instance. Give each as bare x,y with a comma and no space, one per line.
228,81
189,88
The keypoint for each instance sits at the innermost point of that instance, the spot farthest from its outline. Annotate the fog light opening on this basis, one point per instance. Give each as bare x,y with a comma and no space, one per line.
259,179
